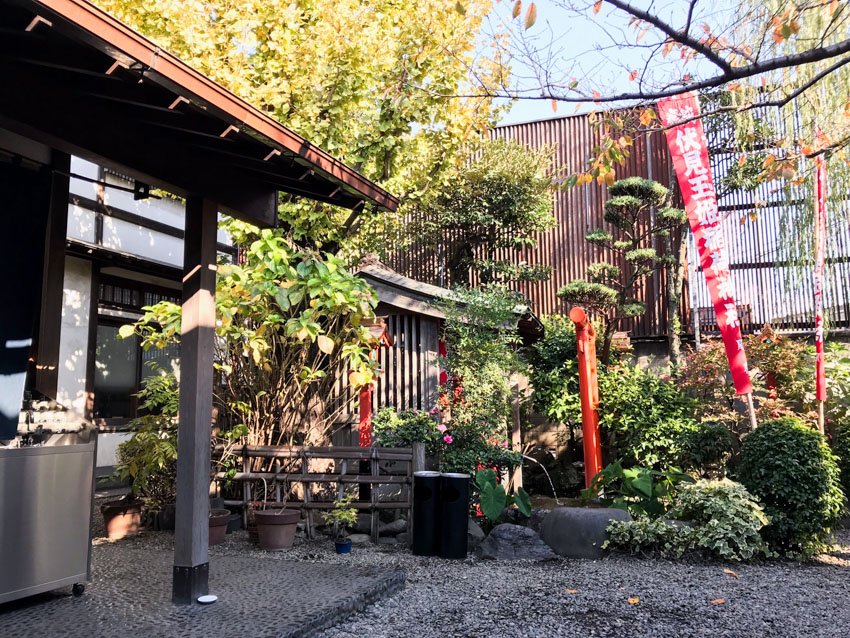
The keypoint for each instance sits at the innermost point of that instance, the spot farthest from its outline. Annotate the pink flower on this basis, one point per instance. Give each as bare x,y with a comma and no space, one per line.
448,438
504,444
435,411
442,427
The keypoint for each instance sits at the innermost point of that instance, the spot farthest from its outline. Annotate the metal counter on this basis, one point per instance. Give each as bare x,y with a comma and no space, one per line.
46,497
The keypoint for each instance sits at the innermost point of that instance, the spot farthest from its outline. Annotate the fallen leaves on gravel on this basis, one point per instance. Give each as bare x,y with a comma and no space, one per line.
718,601
572,591
634,601
730,573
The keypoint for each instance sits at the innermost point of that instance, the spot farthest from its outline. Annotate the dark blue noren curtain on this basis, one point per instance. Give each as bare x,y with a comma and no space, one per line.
24,200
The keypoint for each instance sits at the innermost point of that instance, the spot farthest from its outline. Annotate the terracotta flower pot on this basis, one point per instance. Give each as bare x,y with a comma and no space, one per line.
276,528
122,518
218,525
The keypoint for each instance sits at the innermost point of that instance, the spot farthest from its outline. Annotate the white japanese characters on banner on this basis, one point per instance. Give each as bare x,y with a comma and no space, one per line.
689,151
820,240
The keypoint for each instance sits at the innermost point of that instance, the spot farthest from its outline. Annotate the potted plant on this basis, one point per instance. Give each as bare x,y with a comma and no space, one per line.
219,518
122,517
276,527
341,517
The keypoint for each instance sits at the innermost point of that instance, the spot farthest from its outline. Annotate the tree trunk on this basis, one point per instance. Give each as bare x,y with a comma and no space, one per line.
607,338
675,282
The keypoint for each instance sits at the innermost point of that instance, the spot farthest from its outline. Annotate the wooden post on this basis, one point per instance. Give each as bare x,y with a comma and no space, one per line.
516,434
589,393
50,322
751,410
191,534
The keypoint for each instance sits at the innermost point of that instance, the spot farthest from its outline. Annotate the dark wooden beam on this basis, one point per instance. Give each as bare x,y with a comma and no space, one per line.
107,135
191,535
50,325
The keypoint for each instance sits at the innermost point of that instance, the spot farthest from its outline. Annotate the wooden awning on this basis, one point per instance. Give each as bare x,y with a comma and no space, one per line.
82,82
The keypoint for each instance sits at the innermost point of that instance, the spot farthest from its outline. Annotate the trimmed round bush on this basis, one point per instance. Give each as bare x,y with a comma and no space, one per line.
791,469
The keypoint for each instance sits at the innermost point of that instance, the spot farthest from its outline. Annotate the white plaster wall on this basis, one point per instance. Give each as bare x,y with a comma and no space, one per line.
74,336
143,242
107,447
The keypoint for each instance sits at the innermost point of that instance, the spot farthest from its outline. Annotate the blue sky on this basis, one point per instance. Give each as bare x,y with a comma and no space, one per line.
589,47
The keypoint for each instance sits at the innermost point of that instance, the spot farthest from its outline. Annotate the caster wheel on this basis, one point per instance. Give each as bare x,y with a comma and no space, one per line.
78,589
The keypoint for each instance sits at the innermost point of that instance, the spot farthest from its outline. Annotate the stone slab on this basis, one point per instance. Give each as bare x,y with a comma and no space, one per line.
130,595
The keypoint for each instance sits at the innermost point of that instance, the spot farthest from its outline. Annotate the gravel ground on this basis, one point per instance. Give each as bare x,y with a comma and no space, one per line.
473,598
592,598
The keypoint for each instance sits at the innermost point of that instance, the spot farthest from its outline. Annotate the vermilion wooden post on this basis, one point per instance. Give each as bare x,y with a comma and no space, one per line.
589,393
366,415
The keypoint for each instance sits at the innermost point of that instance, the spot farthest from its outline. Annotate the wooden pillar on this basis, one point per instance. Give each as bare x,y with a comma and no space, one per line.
53,279
191,535
516,430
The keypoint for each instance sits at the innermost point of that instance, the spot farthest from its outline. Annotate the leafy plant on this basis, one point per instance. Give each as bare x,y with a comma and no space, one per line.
637,490
149,457
790,468
494,499
725,521
342,516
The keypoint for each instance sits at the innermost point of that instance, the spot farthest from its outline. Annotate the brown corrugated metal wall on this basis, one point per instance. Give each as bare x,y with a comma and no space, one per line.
577,210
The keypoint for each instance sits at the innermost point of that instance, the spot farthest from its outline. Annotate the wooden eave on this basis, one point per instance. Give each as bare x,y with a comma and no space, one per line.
83,82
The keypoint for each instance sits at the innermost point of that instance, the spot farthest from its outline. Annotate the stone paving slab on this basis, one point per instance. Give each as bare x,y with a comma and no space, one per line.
257,597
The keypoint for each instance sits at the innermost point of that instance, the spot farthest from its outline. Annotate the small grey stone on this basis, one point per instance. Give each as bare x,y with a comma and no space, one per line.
387,540
395,527
514,542
578,532
474,535
402,538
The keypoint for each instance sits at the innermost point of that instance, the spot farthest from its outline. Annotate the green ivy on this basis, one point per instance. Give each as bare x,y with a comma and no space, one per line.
720,518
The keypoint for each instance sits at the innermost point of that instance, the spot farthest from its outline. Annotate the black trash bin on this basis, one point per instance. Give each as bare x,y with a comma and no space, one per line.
454,514
426,513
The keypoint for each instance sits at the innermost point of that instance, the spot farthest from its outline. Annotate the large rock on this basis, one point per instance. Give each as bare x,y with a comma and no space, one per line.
513,542
474,535
578,532
537,518
395,527
360,539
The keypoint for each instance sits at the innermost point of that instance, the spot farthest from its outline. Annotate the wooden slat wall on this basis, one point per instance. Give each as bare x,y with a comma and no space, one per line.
763,283
577,211
410,371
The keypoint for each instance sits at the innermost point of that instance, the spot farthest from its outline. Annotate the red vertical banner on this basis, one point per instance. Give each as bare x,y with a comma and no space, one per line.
689,151
820,241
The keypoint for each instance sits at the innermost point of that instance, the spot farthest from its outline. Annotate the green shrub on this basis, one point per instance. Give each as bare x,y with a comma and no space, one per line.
707,448
790,468
403,429
841,448
725,521
644,418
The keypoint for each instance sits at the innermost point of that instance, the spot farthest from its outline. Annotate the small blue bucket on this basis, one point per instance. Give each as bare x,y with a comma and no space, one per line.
343,547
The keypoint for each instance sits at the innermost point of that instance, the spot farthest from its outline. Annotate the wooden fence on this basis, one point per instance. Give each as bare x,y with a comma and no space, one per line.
346,471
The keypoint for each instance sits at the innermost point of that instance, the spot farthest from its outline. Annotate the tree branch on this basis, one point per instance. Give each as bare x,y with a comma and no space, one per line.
682,37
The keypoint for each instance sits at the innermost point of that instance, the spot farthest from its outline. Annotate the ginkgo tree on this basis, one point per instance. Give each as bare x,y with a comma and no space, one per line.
343,74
